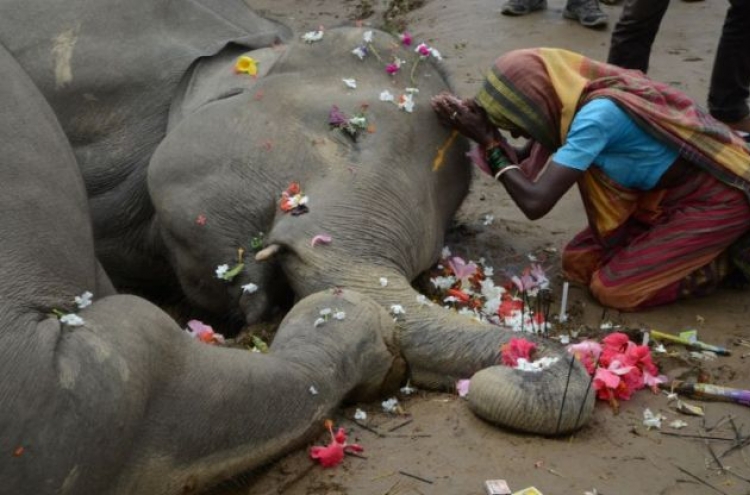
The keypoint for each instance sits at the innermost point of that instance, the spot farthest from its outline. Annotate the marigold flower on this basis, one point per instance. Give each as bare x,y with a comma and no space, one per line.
246,65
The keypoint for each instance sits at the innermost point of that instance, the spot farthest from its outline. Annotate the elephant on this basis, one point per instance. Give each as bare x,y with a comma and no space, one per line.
176,172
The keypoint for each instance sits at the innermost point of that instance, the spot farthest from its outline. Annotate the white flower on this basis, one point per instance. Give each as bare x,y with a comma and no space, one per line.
386,95
531,258
360,415
221,270
325,312
367,36
536,366
390,405
358,121
249,288
408,389
360,52
339,315
412,91
678,424
313,390
651,420
488,219
352,83
436,54
397,309
423,301
443,283
383,282
312,36
84,300
489,271
451,299
446,253
319,322
72,320
406,103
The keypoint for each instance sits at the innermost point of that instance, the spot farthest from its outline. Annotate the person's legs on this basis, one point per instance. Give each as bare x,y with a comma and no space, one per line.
682,255
730,79
587,12
634,33
523,7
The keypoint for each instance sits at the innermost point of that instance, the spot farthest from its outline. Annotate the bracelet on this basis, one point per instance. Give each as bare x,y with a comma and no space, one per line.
496,158
505,169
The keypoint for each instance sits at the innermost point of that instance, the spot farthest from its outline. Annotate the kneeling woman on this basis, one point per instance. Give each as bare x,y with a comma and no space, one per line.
664,185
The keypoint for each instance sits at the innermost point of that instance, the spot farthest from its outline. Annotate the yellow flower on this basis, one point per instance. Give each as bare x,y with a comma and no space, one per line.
246,65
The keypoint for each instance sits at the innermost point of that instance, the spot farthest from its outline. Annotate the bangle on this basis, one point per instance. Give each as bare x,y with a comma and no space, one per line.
505,169
496,158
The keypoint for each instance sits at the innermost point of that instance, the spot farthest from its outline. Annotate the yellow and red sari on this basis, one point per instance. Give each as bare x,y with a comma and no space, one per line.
641,248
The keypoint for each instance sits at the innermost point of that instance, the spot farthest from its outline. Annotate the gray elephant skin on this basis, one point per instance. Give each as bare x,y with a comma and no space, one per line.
129,140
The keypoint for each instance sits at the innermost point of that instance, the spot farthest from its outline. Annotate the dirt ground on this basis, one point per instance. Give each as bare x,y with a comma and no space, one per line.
438,446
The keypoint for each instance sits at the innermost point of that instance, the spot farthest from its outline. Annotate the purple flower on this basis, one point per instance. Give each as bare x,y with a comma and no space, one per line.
336,117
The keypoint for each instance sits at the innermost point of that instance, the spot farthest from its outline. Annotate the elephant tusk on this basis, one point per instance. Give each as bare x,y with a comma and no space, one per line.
267,253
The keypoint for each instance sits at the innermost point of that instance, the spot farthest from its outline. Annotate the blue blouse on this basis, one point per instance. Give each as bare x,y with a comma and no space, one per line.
604,136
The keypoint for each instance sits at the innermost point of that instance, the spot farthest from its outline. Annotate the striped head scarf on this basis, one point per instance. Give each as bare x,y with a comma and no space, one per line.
538,91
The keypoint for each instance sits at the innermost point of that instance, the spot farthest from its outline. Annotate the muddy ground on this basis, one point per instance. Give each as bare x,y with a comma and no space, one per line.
437,446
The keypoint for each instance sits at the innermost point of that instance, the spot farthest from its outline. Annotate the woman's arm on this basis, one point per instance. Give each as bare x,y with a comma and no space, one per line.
536,199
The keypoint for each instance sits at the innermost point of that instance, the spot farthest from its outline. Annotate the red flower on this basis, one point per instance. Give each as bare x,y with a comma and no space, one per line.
332,454
508,306
515,349
458,294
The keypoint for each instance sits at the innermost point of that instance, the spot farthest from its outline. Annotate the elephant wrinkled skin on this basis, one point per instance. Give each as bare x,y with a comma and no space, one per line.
129,140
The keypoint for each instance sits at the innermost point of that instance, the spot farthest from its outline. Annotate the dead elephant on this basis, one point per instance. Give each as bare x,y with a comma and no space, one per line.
184,163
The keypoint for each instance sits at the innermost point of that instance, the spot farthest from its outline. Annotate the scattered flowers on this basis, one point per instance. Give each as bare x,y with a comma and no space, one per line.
678,424
406,102
223,272
391,405
350,83
408,389
250,288
488,219
293,201
246,65
332,454
397,309
320,239
360,415
313,36
386,95
462,387
84,300
199,330
72,319
326,314
395,66
351,126
651,420
405,38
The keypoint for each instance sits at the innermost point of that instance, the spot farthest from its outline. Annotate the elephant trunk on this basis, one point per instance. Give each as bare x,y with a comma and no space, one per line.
442,346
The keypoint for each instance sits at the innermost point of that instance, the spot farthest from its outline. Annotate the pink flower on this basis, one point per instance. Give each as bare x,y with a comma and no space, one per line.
462,270
406,38
332,454
587,352
392,68
423,50
204,333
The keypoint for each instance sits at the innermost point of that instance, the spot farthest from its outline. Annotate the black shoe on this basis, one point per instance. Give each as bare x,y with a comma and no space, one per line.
587,12
523,7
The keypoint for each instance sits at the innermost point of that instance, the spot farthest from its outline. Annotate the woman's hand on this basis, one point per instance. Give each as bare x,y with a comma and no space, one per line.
466,117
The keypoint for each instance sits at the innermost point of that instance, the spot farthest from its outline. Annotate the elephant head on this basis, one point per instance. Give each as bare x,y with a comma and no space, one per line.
383,196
